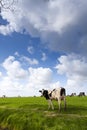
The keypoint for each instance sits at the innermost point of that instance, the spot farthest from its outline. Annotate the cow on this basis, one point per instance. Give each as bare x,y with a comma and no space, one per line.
81,94
56,94
73,94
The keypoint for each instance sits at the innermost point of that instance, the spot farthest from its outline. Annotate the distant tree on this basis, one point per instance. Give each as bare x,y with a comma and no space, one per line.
7,5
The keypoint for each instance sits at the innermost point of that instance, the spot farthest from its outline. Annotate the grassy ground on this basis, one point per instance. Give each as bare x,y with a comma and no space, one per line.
32,114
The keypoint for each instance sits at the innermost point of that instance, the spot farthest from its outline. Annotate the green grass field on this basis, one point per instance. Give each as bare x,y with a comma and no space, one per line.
31,113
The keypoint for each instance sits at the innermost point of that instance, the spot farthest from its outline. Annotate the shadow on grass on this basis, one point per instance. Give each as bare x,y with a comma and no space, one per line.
1,104
76,110
34,106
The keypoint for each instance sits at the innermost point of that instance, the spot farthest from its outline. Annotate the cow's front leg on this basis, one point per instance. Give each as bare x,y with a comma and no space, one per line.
50,104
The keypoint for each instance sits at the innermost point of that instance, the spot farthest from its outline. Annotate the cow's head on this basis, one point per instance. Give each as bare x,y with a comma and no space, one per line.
41,91
44,93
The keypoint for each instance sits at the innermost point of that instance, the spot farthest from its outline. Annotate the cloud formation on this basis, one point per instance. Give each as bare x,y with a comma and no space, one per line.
75,69
44,57
13,68
30,49
29,60
0,74
25,82
59,24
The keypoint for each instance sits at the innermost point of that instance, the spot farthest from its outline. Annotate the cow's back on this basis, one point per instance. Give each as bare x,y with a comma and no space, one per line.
57,93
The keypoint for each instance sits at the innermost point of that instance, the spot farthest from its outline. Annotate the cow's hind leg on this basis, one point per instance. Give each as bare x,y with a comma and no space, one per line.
59,103
64,103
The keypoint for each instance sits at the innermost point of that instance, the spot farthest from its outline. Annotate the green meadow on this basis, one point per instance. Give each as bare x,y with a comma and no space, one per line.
31,113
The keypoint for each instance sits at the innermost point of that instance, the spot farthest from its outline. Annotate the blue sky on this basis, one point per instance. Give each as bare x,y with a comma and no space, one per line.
43,44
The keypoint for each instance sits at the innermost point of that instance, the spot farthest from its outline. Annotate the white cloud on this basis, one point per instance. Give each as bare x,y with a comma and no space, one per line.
75,69
30,49
54,15
18,81
13,68
55,85
26,60
40,77
0,74
6,29
44,57
10,87
72,65
29,60
60,24
16,54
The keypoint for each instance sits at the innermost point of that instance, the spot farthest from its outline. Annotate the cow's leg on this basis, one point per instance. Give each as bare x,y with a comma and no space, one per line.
64,103
50,104
59,103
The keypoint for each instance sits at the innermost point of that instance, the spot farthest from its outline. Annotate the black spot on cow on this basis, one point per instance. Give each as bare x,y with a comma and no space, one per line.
45,94
50,95
62,92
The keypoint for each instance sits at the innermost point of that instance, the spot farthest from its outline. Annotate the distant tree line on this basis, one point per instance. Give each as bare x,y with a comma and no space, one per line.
7,5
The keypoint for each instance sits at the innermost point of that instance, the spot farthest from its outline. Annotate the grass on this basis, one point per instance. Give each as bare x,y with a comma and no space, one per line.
31,113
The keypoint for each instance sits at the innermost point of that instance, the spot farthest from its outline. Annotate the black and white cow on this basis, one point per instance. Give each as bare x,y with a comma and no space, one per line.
56,94
81,94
